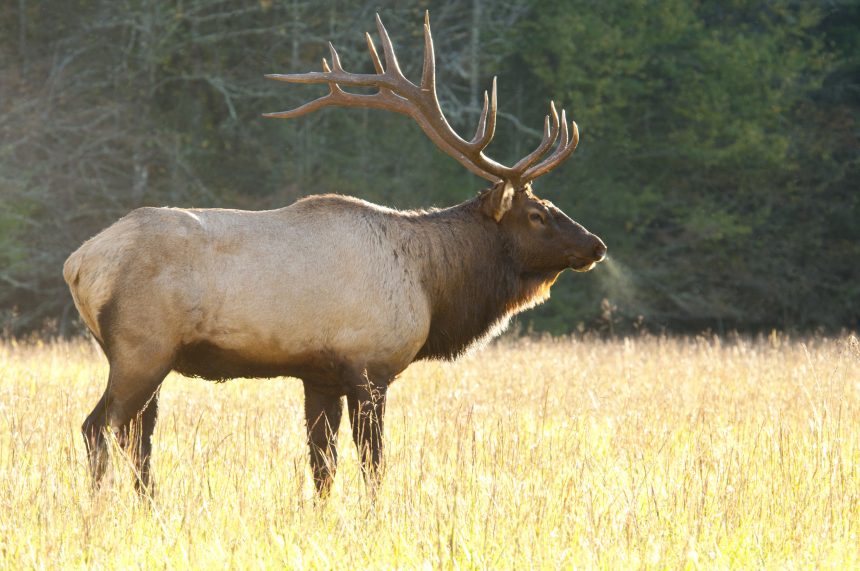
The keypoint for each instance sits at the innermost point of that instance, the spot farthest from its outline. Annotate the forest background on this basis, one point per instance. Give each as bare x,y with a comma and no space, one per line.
719,157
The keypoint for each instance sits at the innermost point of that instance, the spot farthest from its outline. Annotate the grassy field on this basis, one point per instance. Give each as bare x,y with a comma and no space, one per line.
642,453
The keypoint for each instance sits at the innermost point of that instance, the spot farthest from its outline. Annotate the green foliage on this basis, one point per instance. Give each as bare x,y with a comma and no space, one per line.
695,150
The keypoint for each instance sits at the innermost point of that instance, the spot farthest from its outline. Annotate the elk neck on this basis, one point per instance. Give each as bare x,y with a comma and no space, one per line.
471,277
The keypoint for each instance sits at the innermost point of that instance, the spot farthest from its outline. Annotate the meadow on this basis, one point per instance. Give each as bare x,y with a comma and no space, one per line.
646,452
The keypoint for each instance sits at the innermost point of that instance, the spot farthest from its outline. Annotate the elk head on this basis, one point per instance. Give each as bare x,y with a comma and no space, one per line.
542,237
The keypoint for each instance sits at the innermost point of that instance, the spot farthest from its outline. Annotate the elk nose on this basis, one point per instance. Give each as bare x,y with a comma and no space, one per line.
599,250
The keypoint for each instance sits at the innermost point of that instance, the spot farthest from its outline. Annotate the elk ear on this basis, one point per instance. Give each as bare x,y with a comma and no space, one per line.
498,200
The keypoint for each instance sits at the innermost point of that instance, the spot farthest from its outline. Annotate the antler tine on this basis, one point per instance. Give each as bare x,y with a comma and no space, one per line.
333,88
550,134
371,47
564,134
482,121
388,49
428,74
562,152
487,122
335,59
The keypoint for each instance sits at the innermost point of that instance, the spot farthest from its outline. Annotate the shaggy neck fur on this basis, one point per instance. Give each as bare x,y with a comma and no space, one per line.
471,277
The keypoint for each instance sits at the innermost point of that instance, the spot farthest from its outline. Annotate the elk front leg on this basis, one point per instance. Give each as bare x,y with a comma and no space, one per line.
322,413
366,413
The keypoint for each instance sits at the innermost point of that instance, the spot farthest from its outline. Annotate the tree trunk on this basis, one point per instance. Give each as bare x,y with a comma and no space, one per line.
22,36
474,61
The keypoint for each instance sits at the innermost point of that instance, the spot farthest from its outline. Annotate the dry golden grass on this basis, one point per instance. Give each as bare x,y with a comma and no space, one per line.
646,452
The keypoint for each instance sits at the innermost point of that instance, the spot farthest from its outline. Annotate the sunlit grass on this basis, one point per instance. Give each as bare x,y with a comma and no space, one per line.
645,452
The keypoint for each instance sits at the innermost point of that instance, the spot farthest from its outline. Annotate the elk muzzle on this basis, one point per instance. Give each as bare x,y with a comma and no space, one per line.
587,251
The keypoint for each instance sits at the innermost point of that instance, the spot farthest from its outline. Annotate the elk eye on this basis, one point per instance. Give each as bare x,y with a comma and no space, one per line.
535,217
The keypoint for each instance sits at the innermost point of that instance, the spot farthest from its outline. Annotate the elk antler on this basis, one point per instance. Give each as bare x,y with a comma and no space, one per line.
397,93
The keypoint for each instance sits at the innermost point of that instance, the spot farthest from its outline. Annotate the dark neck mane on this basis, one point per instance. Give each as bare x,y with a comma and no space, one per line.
471,278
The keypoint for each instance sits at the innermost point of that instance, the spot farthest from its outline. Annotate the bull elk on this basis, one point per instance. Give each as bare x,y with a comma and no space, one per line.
338,292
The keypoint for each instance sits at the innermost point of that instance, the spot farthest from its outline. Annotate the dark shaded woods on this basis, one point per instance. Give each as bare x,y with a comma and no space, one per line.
718,159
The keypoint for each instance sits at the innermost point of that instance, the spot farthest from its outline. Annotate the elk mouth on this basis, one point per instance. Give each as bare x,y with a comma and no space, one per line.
585,256
582,264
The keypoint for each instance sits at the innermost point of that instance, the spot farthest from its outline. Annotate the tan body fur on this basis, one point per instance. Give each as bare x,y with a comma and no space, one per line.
325,282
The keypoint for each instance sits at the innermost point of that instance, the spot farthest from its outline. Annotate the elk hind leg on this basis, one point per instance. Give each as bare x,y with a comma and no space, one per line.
128,409
93,430
139,444
131,415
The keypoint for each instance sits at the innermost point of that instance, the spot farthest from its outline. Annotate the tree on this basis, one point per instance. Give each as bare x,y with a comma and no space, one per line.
695,143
